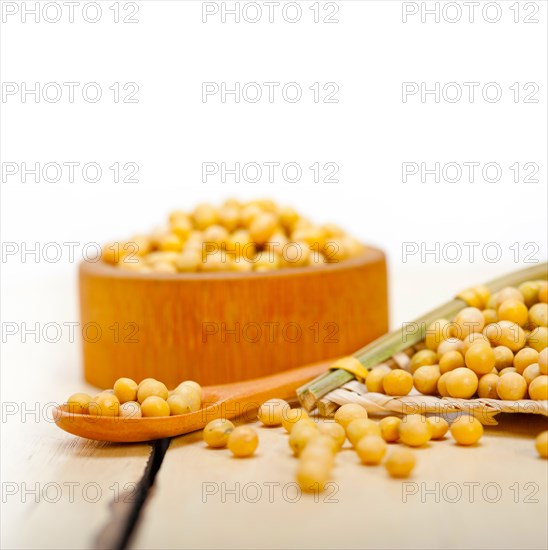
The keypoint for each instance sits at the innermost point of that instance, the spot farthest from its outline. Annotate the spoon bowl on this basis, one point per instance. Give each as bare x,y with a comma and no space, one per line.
239,399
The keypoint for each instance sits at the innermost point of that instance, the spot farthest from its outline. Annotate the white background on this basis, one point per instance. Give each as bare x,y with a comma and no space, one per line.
369,133
170,132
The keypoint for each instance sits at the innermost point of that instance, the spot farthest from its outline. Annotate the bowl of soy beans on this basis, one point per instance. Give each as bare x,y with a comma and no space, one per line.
229,292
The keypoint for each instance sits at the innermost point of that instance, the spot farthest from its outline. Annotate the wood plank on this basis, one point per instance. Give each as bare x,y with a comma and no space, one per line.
206,499
57,489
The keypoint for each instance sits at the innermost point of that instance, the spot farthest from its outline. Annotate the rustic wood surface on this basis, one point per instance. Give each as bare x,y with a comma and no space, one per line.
226,327
364,509
493,495
57,489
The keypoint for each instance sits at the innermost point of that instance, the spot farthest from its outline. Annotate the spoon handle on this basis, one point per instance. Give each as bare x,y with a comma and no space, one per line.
244,398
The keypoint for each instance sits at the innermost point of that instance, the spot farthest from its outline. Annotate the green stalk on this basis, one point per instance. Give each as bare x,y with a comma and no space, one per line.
327,408
410,334
322,385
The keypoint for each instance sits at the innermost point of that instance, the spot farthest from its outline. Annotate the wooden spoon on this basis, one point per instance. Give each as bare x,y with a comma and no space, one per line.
226,401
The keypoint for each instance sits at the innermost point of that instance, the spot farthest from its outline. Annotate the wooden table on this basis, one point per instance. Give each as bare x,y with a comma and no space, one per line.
57,490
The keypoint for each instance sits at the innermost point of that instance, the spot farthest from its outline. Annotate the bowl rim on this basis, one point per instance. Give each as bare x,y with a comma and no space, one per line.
99,268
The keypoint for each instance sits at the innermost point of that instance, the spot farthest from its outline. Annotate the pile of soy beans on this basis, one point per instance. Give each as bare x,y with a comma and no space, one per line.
496,349
235,236
131,400
316,442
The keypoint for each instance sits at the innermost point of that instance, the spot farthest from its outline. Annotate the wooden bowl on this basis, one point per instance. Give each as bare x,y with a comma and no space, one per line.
225,327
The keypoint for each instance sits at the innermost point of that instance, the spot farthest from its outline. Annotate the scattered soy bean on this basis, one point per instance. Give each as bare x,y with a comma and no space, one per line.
400,463
318,453
371,449
291,417
438,426
466,430
503,357
538,339
469,319
451,360
178,404
152,388
192,384
513,310
349,412
425,379
154,405
442,385
506,333
462,383
374,379
541,444
312,475
422,358
538,315
271,412
415,430
130,409
480,358
78,403
333,430
125,389
243,441
325,442
397,382
524,358
360,427
472,339
300,436
390,428
511,386
216,432
189,395
104,404
538,389
531,372
451,344
487,386
543,361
